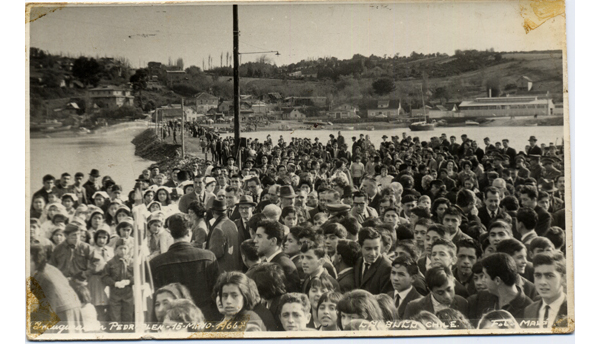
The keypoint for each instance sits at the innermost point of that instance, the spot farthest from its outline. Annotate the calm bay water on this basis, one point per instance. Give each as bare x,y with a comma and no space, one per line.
518,136
112,153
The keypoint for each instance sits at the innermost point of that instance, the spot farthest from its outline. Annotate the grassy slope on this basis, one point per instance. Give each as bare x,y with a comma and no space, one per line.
545,69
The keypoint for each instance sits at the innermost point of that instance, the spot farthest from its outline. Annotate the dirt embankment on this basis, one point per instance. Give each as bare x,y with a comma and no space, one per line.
167,156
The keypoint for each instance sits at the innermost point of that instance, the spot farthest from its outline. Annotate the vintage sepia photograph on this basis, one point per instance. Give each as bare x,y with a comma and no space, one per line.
216,170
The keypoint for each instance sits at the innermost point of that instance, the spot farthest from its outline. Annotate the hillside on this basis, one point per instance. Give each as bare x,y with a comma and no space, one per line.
434,79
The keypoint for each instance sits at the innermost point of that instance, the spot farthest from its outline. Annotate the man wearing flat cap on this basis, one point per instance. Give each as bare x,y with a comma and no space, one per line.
72,256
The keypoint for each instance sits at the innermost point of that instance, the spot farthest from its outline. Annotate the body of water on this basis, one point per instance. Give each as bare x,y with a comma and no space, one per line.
110,151
518,136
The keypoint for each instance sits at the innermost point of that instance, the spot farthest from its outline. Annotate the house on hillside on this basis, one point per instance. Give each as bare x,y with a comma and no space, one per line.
343,111
110,96
524,83
293,114
225,106
384,108
154,65
176,76
70,109
272,97
260,107
205,102
174,112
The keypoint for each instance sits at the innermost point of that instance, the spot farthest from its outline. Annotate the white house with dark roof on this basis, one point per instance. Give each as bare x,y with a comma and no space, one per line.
205,102
111,96
343,111
384,108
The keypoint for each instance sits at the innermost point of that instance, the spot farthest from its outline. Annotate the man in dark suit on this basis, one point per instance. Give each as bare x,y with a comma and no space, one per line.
195,268
507,150
232,197
369,187
491,210
90,186
245,206
528,198
549,277
534,149
47,189
441,283
268,240
372,270
500,275
453,146
199,194
479,153
404,271
223,239
347,254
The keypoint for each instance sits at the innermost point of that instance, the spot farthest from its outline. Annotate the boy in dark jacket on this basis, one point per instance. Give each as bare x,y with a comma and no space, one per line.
118,275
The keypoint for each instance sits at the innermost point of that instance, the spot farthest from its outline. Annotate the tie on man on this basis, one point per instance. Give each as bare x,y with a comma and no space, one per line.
397,301
546,313
365,269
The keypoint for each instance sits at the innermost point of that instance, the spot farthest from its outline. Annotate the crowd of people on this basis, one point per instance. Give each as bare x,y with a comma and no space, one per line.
312,236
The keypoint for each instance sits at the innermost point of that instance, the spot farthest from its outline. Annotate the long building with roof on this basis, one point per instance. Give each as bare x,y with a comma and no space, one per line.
507,106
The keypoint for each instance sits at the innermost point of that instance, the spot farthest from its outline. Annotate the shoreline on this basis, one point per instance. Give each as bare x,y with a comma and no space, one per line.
291,125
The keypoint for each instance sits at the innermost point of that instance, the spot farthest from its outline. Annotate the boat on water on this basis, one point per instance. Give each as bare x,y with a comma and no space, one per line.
55,130
421,126
471,123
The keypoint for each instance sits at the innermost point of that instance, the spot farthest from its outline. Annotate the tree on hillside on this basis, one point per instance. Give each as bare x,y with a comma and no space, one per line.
139,81
180,63
87,70
493,84
441,93
185,90
383,86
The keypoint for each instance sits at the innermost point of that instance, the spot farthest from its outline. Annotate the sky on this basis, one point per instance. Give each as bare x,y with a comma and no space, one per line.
298,31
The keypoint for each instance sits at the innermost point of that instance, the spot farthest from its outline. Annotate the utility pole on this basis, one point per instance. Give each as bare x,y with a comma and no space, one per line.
236,87
182,130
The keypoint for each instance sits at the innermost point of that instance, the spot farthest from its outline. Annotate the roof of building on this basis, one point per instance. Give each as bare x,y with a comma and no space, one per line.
205,95
525,77
503,101
384,104
107,88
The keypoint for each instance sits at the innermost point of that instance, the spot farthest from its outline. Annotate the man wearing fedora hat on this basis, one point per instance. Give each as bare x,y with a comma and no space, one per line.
223,239
534,149
287,196
245,206
91,186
